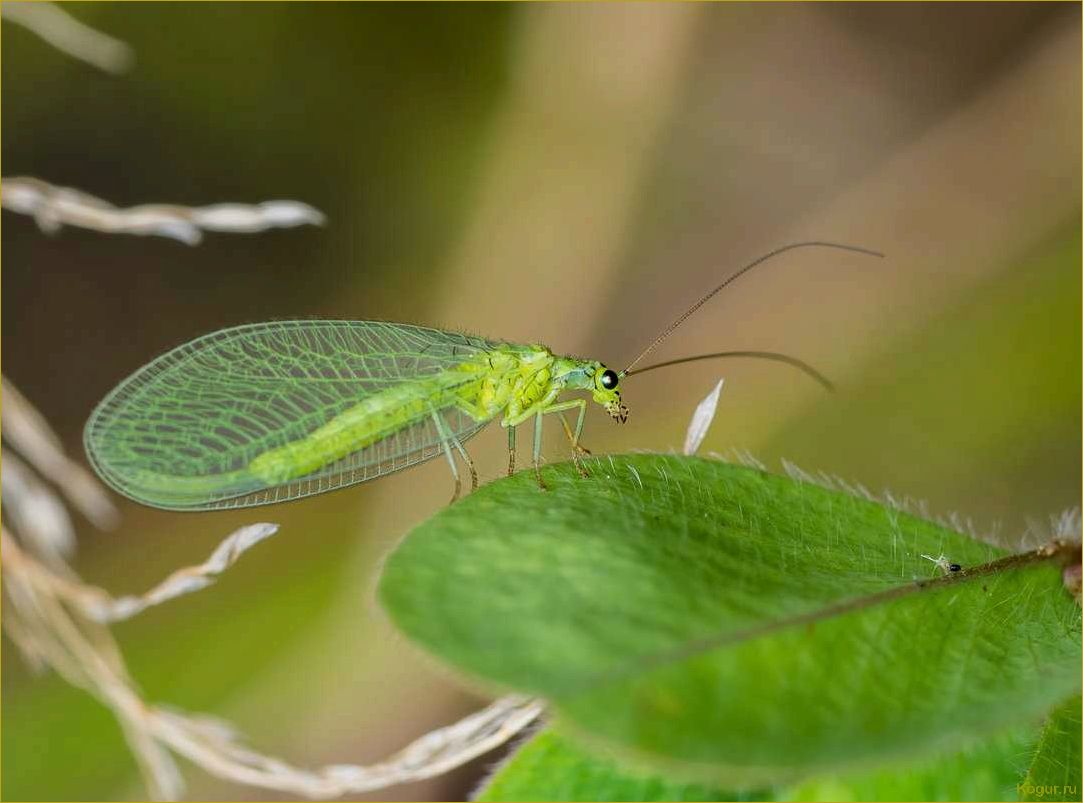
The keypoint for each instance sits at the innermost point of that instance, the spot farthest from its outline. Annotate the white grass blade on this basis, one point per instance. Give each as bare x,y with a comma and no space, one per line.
260,217
215,750
701,420
26,430
68,35
189,579
99,606
53,206
35,511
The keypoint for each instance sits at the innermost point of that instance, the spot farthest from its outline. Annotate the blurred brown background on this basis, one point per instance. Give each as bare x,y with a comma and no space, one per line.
569,174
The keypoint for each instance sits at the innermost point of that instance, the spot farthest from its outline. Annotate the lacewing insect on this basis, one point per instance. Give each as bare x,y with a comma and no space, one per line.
271,412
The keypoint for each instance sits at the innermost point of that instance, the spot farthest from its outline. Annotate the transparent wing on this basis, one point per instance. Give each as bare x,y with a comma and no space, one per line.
182,431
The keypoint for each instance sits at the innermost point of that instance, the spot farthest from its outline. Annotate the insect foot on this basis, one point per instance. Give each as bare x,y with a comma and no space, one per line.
578,453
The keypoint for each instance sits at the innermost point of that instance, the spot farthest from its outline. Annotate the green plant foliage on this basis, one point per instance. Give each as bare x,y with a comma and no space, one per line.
1058,761
989,770
552,767
732,625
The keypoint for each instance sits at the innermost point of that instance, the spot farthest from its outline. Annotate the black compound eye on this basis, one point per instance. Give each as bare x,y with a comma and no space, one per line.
609,379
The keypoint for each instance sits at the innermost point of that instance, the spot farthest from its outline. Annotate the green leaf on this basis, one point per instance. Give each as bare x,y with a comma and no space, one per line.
1058,760
552,767
989,770
738,626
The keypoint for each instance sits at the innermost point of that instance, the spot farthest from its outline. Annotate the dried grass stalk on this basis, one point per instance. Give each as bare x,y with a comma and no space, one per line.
35,511
26,430
69,35
97,604
56,621
53,206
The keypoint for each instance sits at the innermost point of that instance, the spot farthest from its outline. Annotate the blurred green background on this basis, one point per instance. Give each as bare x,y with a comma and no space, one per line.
569,174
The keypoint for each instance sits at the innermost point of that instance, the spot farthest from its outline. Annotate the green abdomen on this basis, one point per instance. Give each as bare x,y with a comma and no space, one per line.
367,422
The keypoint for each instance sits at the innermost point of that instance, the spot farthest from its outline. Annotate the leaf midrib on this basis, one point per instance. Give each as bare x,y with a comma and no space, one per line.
1058,552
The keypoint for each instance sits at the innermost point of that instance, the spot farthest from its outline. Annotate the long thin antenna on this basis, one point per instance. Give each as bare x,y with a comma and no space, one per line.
741,272
800,365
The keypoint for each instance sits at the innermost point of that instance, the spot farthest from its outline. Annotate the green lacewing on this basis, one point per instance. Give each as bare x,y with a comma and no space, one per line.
271,412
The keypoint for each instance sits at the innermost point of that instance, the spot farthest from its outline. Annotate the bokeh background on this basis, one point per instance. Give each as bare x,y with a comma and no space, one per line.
568,174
